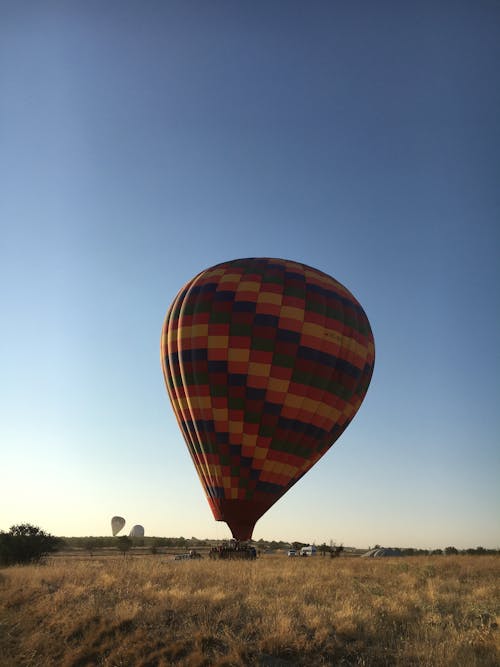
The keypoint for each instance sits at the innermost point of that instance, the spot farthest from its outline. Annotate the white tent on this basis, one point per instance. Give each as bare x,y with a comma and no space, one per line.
381,552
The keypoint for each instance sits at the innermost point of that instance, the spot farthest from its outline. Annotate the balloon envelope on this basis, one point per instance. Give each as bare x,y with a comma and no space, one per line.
117,523
137,531
266,361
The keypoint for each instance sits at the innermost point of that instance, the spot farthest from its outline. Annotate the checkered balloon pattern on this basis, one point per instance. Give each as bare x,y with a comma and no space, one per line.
266,361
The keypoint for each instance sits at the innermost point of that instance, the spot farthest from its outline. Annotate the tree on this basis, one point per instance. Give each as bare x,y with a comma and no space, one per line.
451,551
25,543
90,544
478,551
155,544
124,544
298,545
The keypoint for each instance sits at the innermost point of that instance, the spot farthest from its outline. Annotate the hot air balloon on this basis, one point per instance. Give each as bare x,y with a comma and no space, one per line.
117,523
136,531
266,362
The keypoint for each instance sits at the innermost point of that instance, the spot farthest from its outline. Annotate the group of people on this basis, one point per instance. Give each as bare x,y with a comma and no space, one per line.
233,551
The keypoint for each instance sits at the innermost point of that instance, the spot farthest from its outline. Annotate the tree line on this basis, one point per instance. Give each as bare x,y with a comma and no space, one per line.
25,543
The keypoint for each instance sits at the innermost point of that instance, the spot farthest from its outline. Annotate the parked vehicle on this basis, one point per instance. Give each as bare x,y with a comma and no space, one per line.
310,550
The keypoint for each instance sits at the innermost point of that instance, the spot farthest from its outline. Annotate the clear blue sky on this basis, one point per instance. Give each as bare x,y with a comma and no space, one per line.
141,142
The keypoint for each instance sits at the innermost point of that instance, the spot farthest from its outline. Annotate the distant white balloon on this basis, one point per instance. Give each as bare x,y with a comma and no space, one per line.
137,531
117,523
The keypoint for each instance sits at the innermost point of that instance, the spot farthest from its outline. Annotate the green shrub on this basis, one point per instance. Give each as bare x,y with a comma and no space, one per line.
25,543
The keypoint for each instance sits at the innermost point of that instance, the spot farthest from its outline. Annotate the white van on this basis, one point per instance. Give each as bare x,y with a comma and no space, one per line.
310,550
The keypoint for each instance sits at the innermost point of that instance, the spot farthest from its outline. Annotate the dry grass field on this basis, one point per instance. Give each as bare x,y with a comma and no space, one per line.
152,611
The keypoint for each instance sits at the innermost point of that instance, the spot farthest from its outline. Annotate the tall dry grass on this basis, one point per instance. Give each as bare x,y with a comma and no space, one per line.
117,612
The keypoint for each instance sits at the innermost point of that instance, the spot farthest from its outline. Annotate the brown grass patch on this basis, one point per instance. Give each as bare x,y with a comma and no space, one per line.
152,612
